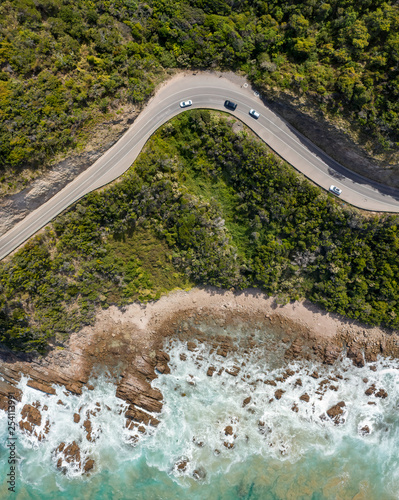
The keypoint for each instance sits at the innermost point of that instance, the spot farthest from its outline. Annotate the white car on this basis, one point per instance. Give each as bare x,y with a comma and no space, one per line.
185,104
254,114
335,190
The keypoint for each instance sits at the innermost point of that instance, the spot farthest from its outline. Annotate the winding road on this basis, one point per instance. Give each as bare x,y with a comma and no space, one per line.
208,91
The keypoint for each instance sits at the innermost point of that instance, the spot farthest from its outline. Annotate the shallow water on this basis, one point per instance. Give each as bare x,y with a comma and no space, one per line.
226,450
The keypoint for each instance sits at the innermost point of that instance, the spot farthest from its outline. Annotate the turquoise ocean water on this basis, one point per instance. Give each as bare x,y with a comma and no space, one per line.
226,449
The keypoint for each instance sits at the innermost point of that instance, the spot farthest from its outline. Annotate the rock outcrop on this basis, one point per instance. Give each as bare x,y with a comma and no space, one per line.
88,466
137,391
335,412
356,356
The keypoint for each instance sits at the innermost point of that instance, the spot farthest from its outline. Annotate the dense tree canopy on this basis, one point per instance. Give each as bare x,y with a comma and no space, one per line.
64,62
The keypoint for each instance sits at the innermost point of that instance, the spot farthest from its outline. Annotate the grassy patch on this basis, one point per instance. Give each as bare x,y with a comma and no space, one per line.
148,265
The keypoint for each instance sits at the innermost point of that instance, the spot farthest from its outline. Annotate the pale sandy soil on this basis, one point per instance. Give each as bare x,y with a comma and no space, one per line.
143,320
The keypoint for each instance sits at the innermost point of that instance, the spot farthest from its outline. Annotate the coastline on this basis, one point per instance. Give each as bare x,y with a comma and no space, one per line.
130,346
120,337
303,319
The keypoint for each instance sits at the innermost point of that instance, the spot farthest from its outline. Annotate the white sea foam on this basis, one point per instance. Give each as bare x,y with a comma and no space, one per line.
206,432
267,426
109,436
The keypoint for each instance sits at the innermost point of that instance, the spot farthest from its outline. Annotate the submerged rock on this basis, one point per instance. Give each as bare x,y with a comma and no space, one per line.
199,474
198,442
182,464
364,431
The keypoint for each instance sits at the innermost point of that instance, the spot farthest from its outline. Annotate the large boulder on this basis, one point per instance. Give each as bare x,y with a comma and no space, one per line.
88,466
336,412
228,431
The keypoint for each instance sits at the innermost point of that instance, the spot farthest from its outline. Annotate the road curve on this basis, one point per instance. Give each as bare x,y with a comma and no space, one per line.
208,91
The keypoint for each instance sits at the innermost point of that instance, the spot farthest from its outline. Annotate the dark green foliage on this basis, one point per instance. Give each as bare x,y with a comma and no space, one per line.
201,205
294,240
65,63
298,241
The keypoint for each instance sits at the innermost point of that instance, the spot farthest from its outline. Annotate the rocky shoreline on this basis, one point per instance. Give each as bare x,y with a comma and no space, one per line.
131,345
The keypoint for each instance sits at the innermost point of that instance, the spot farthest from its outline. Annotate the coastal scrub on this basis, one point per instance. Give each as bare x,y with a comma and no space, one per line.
201,205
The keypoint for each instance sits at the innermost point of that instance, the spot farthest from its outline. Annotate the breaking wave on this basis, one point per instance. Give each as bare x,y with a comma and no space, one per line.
233,426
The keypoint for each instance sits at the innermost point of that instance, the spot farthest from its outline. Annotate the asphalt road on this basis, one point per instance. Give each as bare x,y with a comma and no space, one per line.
208,91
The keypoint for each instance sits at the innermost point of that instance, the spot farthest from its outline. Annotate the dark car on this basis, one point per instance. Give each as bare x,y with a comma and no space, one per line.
230,105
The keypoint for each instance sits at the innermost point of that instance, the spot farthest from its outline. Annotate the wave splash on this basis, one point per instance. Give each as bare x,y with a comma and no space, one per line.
223,412
230,425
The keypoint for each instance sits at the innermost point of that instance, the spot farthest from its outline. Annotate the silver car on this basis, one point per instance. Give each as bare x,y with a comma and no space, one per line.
335,190
254,114
185,104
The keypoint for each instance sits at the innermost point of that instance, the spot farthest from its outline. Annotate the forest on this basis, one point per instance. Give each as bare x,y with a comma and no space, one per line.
202,205
64,64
